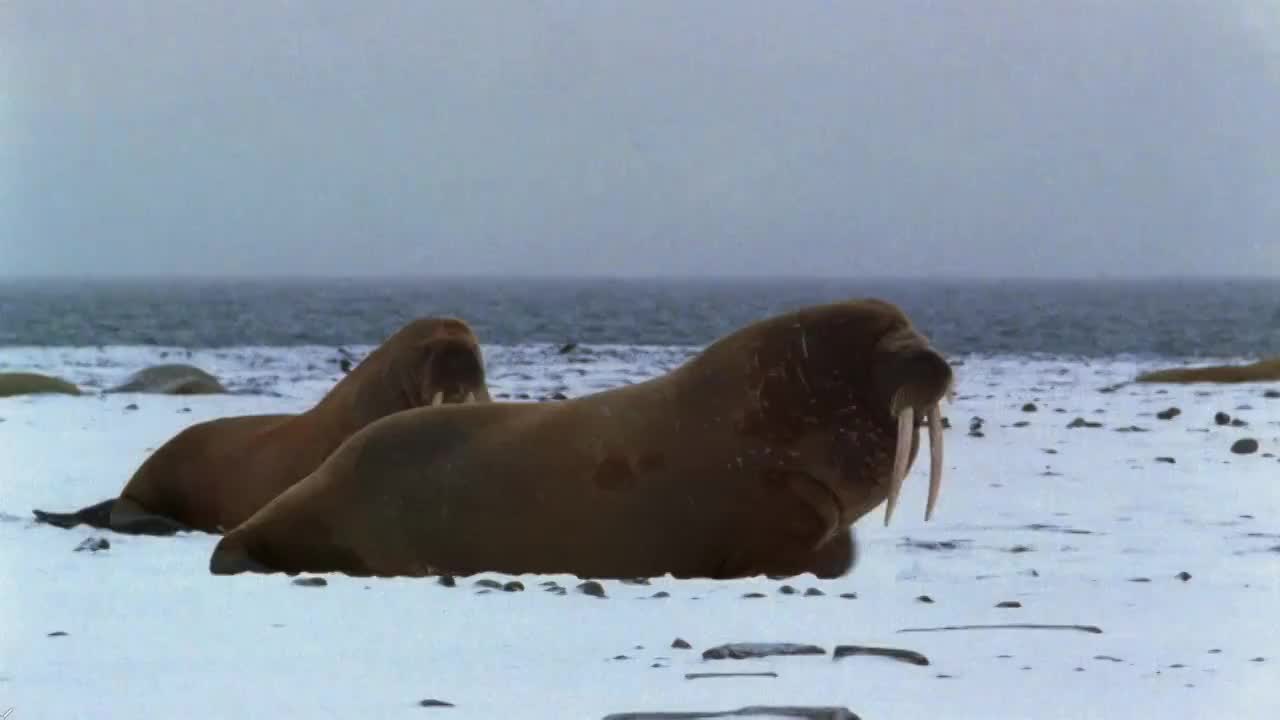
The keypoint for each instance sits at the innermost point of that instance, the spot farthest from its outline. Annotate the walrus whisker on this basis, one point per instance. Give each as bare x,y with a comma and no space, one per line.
902,455
935,460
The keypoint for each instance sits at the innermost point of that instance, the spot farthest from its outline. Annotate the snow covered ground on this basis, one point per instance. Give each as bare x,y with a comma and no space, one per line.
1080,525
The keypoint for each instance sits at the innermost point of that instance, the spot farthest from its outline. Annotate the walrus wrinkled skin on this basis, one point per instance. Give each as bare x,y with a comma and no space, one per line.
1262,371
749,459
26,383
214,475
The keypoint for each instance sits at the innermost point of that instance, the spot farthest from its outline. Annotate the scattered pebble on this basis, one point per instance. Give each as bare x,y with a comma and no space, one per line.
1183,576
93,545
1029,408
1140,580
681,644
1169,414
592,588
1244,446
1009,604
907,656
813,592
57,633
432,702
513,586
1221,418
447,581
925,599
849,595
1082,423
753,595
488,583
131,406
310,582
787,590
1166,459
661,594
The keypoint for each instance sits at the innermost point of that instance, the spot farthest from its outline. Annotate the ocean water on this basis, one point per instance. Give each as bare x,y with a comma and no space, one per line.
1187,318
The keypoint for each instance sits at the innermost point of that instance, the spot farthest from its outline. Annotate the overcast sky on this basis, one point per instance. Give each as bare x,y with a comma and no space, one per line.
953,138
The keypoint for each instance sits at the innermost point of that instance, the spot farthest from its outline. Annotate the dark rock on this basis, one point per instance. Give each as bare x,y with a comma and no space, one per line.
760,711
621,657
513,586
753,595
1166,459
447,581
661,594
1132,429
345,365
1221,418
131,406
787,590
1009,604
849,595
1029,407
635,581
93,545
907,656
1183,576
925,599
1108,658
1082,423
1237,422
813,592
559,396
57,633
1021,424
432,702
1169,414
977,433
592,588
1258,659
1272,394
699,676
488,583
568,348
681,644
310,582
1016,549
744,651
1244,446
1140,580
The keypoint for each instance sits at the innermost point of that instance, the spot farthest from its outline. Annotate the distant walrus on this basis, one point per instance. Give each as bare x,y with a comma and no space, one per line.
174,379
1261,371
213,475
26,383
748,459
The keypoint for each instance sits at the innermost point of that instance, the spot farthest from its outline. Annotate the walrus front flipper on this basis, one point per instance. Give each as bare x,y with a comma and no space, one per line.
98,516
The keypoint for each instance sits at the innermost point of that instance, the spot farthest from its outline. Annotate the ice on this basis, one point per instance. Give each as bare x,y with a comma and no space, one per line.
150,633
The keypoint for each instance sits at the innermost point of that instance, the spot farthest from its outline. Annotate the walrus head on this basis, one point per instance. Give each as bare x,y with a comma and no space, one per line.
447,366
848,382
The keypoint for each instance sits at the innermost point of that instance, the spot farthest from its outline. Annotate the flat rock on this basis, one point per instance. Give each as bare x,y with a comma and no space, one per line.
758,711
1244,446
744,651
907,656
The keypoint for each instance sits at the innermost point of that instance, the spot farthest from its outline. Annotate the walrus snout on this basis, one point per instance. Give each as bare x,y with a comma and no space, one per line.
454,373
911,379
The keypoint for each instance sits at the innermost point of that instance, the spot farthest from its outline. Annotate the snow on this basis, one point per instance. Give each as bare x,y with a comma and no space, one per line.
150,633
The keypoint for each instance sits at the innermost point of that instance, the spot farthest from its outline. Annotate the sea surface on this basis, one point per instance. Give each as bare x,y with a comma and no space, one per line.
1185,318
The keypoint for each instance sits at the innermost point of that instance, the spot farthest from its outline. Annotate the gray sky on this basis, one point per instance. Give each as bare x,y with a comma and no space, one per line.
956,138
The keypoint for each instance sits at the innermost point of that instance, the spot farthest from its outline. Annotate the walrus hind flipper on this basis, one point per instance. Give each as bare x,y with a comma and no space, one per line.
98,516
129,518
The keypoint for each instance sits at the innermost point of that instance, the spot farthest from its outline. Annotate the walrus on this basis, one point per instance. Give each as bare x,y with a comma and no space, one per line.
27,383
213,475
171,379
751,458
1267,370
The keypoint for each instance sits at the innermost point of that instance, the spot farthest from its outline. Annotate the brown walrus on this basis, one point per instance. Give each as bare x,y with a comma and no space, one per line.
748,459
1261,371
214,475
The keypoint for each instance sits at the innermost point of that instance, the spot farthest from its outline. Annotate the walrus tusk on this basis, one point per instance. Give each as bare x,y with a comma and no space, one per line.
935,460
906,427
438,399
